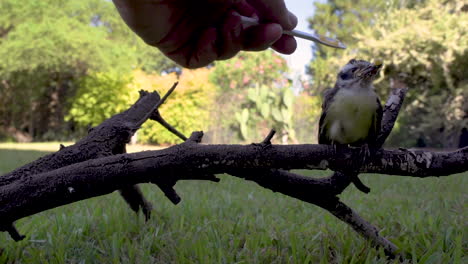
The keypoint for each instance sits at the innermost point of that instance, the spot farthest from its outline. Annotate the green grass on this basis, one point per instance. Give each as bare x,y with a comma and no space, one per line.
235,221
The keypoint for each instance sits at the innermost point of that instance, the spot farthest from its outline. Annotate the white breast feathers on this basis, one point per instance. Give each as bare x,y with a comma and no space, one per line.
350,115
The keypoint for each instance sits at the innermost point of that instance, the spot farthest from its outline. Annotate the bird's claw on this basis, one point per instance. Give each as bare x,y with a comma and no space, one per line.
364,153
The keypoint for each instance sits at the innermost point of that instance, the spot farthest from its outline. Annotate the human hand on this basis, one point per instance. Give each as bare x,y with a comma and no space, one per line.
195,33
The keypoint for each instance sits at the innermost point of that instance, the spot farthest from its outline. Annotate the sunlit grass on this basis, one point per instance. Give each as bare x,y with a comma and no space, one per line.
235,221
54,146
37,146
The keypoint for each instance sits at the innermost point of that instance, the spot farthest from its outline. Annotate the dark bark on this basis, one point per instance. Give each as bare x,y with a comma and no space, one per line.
109,138
189,160
391,109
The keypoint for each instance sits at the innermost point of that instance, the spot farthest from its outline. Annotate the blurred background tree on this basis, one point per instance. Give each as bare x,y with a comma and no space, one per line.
189,108
266,109
66,68
306,113
69,67
100,95
254,89
340,19
50,50
423,42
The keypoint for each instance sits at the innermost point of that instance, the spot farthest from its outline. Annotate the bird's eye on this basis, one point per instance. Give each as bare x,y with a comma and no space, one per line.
346,75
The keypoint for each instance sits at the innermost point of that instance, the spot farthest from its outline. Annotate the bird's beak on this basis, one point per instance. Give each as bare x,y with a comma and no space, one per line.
370,72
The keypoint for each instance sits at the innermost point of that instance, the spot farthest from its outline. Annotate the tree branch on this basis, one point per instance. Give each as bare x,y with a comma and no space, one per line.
363,228
98,165
391,109
109,138
103,175
156,116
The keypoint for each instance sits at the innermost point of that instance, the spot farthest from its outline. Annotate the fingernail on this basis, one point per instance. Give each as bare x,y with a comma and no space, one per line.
292,20
275,30
237,28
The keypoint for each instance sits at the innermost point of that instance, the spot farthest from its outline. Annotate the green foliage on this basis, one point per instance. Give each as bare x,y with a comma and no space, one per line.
236,221
49,47
267,108
254,94
57,44
101,95
243,119
248,69
340,19
188,108
426,45
306,115
343,19
59,36
429,46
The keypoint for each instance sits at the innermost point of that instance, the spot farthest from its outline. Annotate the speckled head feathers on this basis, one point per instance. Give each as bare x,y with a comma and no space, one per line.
358,71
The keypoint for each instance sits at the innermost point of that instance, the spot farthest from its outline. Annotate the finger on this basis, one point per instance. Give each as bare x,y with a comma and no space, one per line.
197,53
244,9
274,11
141,17
286,44
292,21
205,51
261,37
230,42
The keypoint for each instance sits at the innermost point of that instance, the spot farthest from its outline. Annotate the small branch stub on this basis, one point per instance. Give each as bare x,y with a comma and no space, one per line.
168,190
267,140
156,116
360,185
195,137
169,92
12,231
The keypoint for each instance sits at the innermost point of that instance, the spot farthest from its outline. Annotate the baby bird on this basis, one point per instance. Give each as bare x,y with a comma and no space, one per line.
351,111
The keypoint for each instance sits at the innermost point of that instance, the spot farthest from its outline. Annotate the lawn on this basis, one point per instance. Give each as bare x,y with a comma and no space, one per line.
235,221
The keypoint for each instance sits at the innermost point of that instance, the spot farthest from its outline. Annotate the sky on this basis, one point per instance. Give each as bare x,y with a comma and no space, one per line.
303,54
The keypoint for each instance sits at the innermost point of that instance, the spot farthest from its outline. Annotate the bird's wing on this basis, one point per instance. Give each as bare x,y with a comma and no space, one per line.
327,99
322,136
376,125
